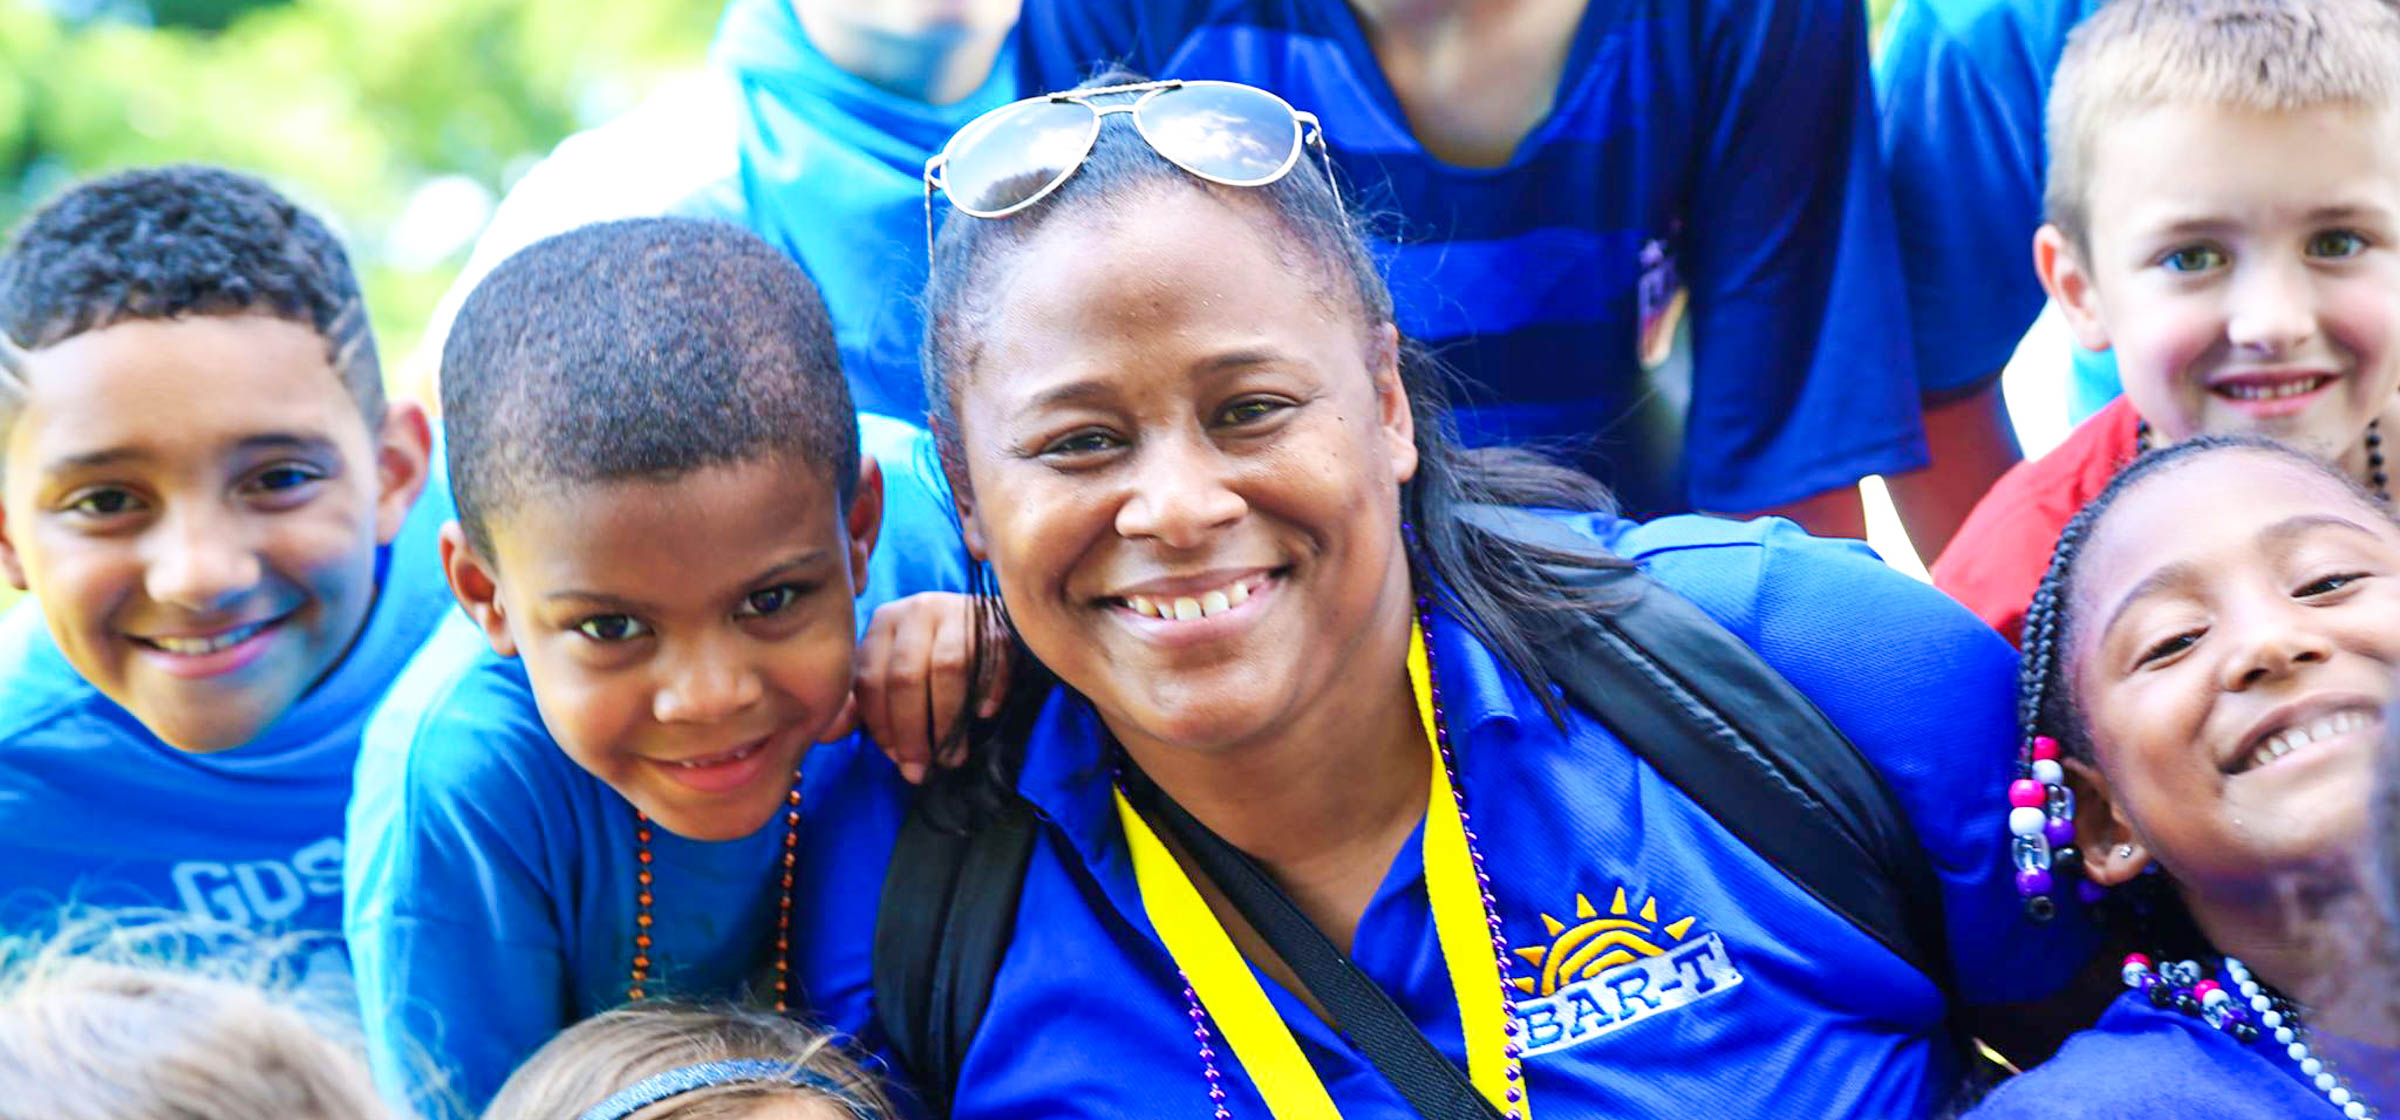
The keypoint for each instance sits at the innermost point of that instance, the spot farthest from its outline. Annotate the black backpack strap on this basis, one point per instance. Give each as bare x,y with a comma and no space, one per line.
948,912
1710,716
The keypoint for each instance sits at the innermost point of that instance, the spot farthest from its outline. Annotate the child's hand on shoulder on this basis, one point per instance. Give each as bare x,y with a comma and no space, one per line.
914,679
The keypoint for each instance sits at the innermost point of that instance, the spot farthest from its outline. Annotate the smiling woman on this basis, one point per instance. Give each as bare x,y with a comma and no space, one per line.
1264,615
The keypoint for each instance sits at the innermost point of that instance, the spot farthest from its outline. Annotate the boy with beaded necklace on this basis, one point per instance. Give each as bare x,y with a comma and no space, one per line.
2224,213
664,522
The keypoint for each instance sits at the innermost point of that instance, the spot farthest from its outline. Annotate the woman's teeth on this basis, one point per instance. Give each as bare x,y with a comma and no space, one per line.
1184,607
2324,727
2244,391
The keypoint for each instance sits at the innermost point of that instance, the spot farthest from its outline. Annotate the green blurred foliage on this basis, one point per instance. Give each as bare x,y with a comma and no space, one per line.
350,105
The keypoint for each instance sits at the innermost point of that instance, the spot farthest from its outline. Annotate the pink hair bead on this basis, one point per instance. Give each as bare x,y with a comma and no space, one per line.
2025,793
2045,747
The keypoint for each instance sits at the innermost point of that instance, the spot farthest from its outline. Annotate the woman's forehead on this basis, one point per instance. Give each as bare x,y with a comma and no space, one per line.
1186,270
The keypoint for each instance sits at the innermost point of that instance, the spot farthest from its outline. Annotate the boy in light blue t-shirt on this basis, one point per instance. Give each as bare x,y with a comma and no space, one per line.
217,514
605,787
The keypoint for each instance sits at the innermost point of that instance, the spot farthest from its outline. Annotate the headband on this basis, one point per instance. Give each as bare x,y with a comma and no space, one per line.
685,1079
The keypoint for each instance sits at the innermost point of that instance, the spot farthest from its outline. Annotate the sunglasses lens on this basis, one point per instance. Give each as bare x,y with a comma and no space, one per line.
1012,154
1231,133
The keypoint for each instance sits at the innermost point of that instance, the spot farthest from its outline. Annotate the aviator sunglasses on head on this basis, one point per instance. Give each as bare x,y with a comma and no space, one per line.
1015,155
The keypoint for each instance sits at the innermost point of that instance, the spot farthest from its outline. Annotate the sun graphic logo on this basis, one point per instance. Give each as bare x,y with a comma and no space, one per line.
1606,971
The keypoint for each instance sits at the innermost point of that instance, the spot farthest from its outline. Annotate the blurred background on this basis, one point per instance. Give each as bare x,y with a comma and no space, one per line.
400,120
403,121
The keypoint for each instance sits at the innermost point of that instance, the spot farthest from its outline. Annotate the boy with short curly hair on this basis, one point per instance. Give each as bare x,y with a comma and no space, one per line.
216,511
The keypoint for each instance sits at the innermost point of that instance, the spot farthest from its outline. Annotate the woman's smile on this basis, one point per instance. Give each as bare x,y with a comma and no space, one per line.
1196,611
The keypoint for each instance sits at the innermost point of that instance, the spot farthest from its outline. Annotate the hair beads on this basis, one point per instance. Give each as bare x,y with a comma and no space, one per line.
2041,817
2041,814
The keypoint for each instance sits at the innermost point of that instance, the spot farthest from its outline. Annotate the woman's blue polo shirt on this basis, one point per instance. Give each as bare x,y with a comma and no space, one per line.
1743,996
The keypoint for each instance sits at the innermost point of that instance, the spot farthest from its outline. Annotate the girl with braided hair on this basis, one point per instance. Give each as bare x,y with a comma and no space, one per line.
2207,666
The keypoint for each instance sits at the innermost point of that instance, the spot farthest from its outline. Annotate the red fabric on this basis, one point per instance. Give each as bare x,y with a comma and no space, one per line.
1997,559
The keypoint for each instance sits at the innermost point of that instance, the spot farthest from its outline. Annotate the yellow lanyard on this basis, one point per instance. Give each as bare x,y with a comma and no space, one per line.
1249,1022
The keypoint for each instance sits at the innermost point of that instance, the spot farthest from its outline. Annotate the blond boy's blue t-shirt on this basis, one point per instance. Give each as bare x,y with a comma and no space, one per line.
1960,88
97,812
491,880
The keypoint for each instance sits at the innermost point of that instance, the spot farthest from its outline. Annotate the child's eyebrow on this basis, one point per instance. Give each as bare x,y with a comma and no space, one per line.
112,456
2178,572
2182,571
795,564
2348,212
93,460
286,441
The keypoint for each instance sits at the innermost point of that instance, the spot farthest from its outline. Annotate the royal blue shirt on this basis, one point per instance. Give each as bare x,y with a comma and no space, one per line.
2140,1061
1708,170
491,880
1744,995
832,172
97,811
1961,86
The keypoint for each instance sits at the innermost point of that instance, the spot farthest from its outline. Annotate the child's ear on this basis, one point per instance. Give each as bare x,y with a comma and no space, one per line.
2113,852
403,453
2068,278
865,520
478,592
1397,420
10,565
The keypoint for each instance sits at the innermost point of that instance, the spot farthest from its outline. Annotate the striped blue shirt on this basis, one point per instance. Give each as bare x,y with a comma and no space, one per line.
1684,278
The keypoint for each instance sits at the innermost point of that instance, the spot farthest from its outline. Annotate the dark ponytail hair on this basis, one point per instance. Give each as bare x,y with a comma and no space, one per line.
2046,703
1501,588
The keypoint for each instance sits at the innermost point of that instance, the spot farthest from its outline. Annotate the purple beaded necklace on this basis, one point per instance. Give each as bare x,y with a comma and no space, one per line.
1512,1050
2236,1002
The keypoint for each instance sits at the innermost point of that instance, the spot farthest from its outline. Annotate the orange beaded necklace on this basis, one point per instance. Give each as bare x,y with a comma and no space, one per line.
643,898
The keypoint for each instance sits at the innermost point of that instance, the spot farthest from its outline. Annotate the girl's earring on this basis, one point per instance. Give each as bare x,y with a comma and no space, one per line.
2124,851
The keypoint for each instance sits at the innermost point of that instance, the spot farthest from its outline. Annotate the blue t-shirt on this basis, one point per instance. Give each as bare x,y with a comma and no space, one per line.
774,137
2139,1062
918,548
492,885
1710,156
1790,1009
491,881
1961,86
97,811
832,172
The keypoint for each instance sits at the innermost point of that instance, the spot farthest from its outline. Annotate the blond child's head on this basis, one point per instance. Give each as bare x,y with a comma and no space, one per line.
668,1062
2224,207
86,1039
